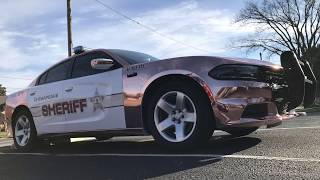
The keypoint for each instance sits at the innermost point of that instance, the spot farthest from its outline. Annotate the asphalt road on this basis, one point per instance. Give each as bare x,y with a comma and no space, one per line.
290,151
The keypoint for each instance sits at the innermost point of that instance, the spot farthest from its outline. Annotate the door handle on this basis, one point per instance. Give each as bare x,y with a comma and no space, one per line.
33,93
132,75
69,89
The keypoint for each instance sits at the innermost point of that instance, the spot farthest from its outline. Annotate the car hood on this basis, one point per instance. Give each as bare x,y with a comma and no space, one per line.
251,61
218,60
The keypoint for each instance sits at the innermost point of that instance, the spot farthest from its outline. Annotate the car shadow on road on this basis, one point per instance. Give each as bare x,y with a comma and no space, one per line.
77,159
221,145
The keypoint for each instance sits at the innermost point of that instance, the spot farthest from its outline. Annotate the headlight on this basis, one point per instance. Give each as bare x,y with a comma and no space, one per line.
245,72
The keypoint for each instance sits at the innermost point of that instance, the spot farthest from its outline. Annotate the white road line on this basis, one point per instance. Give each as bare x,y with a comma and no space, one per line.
211,156
272,158
82,139
311,127
272,129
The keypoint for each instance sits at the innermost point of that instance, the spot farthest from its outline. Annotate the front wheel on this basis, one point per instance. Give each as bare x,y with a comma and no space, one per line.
24,131
179,115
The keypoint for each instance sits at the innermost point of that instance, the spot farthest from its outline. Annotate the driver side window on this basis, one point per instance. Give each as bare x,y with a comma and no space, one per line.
82,65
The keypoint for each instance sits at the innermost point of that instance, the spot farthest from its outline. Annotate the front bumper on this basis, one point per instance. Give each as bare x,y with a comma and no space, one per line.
241,104
269,121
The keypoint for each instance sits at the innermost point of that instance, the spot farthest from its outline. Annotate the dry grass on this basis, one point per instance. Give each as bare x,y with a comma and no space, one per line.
3,135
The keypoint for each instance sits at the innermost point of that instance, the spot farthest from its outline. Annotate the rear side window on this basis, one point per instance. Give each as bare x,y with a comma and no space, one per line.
42,79
59,72
82,65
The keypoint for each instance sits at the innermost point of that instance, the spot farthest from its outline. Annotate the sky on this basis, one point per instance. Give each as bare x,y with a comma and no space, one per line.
33,33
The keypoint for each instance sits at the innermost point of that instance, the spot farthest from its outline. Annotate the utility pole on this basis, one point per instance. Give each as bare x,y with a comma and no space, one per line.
69,28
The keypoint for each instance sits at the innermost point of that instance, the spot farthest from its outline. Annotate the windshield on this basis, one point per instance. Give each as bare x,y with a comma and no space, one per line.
133,57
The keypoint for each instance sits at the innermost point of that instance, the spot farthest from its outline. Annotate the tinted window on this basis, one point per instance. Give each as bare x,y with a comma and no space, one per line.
82,64
133,57
59,72
42,79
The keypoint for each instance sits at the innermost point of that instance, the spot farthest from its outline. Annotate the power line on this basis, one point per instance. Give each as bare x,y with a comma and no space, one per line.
19,78
148,27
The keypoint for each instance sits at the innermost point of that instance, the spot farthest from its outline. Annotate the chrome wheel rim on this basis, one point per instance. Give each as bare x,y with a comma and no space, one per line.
175,116
22,131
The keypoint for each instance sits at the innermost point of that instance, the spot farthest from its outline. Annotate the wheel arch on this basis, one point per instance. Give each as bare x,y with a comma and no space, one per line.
196,81
15,112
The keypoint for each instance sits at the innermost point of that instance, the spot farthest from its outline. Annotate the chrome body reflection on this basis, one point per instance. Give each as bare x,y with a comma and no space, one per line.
230,100
234,103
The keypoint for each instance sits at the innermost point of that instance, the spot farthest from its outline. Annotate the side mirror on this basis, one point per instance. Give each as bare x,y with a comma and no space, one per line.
102,64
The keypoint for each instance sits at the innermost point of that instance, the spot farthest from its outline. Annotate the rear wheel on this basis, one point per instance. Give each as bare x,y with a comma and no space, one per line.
24,131
237,132
179,115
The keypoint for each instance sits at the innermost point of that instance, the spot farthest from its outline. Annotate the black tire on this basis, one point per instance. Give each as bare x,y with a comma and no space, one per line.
237,132
103,138
32,141
204,125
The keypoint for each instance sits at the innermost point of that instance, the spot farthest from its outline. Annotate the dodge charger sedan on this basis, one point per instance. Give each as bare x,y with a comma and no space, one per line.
179,101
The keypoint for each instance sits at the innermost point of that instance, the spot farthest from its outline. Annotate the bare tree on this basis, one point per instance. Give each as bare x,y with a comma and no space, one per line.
2,93
314,58
2,90
281,25
2,122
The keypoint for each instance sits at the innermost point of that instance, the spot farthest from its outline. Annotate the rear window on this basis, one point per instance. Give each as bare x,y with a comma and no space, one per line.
59,72
42,79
